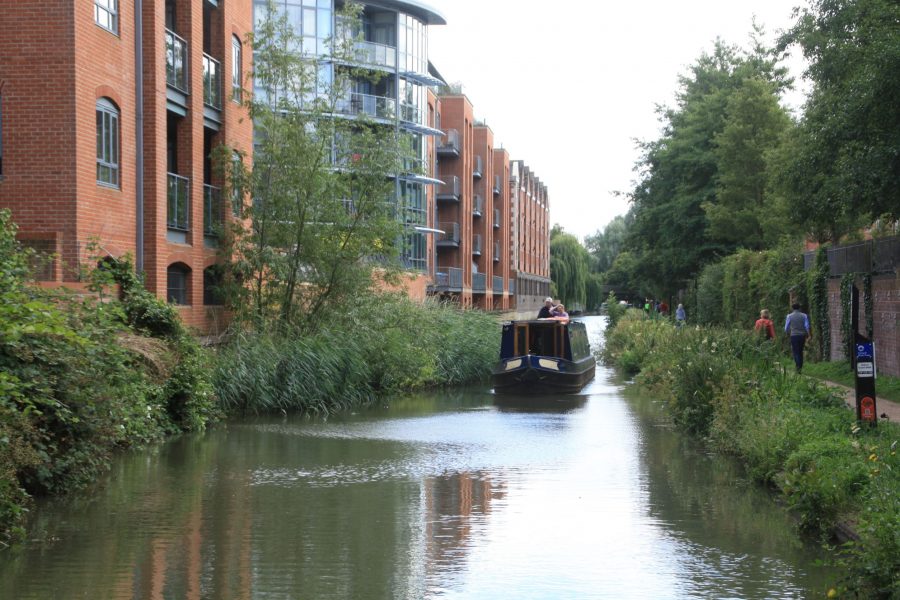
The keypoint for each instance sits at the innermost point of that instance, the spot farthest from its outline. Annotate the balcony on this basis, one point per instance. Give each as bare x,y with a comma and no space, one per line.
450,237
477,168
449,144
212,212
379,107
448,279
449,190
178,213
372,53
479,283
497,188
496,251
476,244
496,218
498,285
212,82
477,205
176,62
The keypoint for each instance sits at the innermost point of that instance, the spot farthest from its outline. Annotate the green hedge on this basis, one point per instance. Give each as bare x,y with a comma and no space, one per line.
730,388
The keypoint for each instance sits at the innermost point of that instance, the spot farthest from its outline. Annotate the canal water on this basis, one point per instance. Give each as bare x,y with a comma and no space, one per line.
445,494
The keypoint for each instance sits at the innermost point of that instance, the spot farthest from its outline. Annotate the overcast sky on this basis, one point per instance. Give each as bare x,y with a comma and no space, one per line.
568,86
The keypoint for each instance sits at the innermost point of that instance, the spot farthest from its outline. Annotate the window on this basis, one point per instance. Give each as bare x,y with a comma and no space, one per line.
236,77
1,132
178,276
107,143
212,286
106,14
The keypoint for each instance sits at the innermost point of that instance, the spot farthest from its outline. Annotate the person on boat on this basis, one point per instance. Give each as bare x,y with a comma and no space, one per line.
544,313
764,325
559,312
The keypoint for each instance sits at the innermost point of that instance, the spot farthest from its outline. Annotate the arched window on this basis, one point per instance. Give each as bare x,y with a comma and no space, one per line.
178,284
107,143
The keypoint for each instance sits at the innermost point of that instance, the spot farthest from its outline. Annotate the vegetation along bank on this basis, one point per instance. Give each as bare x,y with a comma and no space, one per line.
729,388
82,376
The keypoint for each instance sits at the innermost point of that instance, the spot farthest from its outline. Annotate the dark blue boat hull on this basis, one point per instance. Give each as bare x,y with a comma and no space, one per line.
537,375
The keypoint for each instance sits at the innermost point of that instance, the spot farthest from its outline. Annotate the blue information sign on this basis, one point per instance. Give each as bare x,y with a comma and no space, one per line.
864,350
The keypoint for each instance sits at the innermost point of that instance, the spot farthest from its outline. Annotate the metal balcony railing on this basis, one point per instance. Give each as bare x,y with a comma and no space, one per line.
477,167
498,285
380,107
479,282
449,190
477,205
373,53
476,244
178,213
449,279
449,143
497,188
176,61
212,82
450,237
881,255
212,210
496,218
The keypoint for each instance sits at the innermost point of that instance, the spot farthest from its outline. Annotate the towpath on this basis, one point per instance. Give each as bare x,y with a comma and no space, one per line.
885,407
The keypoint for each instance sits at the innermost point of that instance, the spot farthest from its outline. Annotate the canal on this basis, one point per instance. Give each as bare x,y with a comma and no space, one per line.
444,494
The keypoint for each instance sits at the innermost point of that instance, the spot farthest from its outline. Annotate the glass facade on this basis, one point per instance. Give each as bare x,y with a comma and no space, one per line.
396,45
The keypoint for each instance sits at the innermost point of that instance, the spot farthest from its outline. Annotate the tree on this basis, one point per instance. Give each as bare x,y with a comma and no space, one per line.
682,174
568,267
742,213
320,185
605,246
846,157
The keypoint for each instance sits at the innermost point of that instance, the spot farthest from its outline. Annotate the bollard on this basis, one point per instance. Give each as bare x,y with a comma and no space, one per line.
866,411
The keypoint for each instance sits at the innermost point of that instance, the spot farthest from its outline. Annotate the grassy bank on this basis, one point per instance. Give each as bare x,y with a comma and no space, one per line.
728,388
379,345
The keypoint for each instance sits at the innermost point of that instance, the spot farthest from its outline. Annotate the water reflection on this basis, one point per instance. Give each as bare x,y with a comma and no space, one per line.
437,495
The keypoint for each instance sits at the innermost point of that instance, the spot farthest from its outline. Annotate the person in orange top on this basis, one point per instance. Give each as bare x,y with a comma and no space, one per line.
765,325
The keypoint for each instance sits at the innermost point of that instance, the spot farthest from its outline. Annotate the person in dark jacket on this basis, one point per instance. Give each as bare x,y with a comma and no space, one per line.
544,313
796,325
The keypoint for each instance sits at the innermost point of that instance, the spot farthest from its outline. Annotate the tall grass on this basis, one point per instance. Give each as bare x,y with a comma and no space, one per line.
730,388
380,345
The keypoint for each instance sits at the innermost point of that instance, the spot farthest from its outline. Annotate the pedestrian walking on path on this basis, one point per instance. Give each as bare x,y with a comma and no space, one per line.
796,325
764,325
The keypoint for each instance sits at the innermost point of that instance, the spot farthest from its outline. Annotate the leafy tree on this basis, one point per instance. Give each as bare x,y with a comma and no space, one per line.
320,187
845,159
605,246
568,266
742,213
682,174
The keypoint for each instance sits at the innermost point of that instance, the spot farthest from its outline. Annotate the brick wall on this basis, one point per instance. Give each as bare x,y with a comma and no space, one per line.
886,321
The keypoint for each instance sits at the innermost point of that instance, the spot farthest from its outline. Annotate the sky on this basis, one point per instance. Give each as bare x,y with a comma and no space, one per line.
568,87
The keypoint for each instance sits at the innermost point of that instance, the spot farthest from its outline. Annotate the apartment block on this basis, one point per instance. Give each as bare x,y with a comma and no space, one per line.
109,112
493,244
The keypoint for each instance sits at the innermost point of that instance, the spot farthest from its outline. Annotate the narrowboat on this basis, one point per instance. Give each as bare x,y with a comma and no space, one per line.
543,356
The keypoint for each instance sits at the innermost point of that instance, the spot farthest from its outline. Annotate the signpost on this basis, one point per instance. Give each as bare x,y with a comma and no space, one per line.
862,358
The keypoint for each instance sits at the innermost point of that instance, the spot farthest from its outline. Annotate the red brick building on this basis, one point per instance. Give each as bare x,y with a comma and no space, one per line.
109,111
494,252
